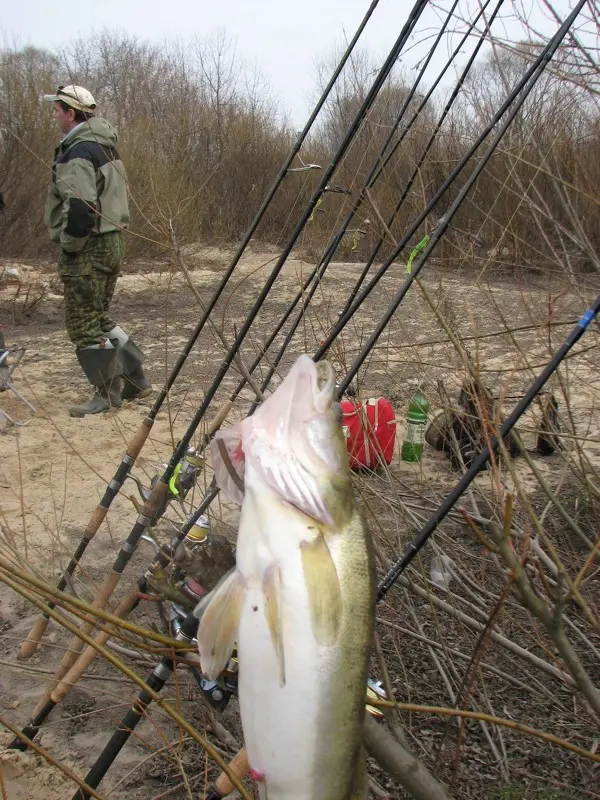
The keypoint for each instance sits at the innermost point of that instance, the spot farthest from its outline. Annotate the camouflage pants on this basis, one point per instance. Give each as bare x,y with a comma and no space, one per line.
89,278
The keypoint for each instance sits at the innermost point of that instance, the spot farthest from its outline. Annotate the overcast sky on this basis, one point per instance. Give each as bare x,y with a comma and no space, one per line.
286,39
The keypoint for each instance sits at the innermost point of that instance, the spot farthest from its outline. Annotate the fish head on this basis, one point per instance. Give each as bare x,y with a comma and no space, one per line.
295,444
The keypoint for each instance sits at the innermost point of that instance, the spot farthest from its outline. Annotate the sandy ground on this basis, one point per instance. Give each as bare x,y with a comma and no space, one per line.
53,471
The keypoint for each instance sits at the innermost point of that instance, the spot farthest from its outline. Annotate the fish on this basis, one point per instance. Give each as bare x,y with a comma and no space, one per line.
299,605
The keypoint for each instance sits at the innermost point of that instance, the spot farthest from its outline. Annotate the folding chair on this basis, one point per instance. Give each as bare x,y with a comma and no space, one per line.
9,361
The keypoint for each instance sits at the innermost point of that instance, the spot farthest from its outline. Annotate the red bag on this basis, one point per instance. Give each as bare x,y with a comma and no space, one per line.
369,441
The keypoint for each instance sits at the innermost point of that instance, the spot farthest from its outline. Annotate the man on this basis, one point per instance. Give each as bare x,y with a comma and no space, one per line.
86,212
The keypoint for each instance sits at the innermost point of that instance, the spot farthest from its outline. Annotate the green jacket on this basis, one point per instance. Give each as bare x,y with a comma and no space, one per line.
88,193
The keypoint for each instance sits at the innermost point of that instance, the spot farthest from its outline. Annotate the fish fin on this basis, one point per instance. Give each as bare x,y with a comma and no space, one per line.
273,614
219,625
324,592
228,461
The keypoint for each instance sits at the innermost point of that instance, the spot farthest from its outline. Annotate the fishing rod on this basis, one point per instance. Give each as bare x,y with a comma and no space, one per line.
480,462
148,512
524,86
373,176
443,224
446,110
127,605
32,642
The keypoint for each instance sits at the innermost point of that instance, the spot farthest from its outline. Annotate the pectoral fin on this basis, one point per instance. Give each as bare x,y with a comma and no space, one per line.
324,592
219,625
273,614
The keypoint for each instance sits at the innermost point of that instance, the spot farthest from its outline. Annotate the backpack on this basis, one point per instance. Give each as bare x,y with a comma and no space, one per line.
369,441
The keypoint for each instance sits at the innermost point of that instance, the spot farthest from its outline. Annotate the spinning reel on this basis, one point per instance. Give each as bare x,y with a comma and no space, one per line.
184,476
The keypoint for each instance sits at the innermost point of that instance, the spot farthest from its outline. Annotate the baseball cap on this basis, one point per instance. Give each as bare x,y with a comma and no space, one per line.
75,96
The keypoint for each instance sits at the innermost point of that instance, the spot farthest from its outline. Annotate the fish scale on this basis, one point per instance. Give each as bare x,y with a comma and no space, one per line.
300,603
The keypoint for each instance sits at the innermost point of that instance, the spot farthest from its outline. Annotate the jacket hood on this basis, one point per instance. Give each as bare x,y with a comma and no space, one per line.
95,129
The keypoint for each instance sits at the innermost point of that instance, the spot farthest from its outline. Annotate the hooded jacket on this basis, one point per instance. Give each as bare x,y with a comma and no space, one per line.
88,193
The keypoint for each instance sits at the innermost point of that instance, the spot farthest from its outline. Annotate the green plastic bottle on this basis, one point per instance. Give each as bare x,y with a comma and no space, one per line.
416,423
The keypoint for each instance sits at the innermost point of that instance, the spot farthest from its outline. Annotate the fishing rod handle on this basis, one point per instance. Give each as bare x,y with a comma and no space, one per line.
34,637
76,645
151,507
80,666
139,438
223,785
148,515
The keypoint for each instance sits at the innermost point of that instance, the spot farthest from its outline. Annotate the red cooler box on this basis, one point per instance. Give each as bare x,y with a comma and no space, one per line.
369,441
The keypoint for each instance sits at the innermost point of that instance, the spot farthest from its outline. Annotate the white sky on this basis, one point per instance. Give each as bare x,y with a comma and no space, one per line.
285,39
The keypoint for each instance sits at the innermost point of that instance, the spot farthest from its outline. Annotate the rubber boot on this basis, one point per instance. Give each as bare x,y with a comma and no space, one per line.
102,368
135,383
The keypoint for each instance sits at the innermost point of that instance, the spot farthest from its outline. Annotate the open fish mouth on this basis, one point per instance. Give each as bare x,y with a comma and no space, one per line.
293,440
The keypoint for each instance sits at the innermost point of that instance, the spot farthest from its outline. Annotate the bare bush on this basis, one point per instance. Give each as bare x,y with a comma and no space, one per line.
200,136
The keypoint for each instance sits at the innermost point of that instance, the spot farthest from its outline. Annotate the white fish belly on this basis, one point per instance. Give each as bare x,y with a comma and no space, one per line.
281,722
